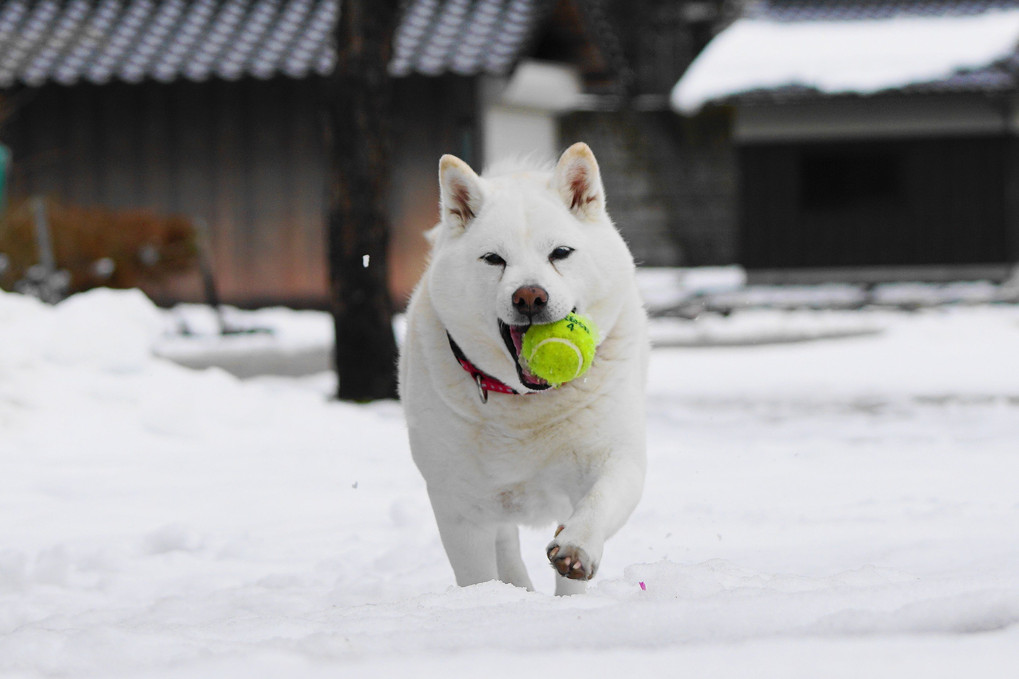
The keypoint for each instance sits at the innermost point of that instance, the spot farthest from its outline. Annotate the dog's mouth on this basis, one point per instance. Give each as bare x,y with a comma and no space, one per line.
513,336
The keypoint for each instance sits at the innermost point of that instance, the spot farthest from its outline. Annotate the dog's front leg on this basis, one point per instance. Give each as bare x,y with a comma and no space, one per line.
576,550
470,546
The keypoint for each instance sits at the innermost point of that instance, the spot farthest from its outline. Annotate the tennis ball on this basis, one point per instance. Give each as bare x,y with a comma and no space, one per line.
561,351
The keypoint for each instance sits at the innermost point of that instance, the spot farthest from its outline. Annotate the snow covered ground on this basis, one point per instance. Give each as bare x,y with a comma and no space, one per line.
839,508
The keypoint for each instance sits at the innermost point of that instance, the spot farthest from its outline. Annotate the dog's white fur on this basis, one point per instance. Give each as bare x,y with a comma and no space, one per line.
573,455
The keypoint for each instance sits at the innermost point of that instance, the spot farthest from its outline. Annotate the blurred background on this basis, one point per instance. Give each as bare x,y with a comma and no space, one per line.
823,196
801,140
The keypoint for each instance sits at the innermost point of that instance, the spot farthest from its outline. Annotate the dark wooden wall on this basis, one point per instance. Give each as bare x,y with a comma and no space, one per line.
938,201
246,157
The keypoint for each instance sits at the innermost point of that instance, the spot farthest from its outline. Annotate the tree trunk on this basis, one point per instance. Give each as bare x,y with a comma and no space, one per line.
358,133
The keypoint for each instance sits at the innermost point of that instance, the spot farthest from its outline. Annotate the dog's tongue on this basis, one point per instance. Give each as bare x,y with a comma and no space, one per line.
517,335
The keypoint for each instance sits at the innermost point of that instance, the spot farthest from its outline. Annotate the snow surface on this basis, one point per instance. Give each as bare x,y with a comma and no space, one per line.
271,341
862,57
838,508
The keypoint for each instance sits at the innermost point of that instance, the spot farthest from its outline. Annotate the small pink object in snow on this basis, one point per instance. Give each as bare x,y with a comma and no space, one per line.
642,587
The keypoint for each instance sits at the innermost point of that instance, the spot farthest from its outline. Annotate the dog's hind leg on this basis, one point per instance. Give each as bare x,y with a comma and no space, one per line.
507,556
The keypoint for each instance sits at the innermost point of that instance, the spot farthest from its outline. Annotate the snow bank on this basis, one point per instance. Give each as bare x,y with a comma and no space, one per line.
845,507
861,57
112,330
759,327
663,287
948,352
272,341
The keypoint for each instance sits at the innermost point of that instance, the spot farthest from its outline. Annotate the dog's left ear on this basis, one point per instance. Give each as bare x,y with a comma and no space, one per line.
578,181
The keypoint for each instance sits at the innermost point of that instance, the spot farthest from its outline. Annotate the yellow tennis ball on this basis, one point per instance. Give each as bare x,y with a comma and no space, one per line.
561,351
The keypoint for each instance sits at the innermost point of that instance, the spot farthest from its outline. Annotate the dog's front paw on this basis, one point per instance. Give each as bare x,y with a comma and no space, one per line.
570,560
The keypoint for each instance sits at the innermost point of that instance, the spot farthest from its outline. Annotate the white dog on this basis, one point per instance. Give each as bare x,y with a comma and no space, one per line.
496,446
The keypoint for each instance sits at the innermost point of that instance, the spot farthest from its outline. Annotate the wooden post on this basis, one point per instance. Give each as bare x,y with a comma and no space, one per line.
358,119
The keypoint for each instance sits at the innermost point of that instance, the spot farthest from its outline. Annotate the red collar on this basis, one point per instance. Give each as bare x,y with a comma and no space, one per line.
485,382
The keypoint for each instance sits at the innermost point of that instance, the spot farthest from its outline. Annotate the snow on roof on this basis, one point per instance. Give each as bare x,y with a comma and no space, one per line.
845,57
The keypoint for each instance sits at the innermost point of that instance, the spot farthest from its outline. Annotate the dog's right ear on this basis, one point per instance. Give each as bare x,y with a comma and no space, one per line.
460,191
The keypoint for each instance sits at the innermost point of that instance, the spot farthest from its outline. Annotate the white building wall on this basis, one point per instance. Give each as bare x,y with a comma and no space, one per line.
520,114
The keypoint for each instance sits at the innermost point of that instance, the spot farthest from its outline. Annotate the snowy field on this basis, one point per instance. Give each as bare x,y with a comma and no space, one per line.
837,507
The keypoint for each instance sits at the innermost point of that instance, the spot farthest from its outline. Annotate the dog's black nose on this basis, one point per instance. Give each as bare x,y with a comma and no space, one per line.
530,300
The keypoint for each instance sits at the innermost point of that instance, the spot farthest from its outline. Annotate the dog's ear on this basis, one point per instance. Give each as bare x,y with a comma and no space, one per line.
578,181
460,191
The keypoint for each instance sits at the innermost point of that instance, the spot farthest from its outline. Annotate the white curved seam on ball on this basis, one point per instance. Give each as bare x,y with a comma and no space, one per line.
571,345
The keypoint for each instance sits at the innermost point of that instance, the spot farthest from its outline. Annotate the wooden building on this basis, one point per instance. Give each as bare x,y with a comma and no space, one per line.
246,157
210,109
874,137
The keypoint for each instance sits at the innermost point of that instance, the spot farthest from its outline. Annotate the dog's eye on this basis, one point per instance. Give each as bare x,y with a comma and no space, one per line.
561,252
493,259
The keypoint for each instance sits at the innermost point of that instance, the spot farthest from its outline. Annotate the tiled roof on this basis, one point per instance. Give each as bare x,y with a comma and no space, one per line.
986,81
856,10
463,36
69,41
